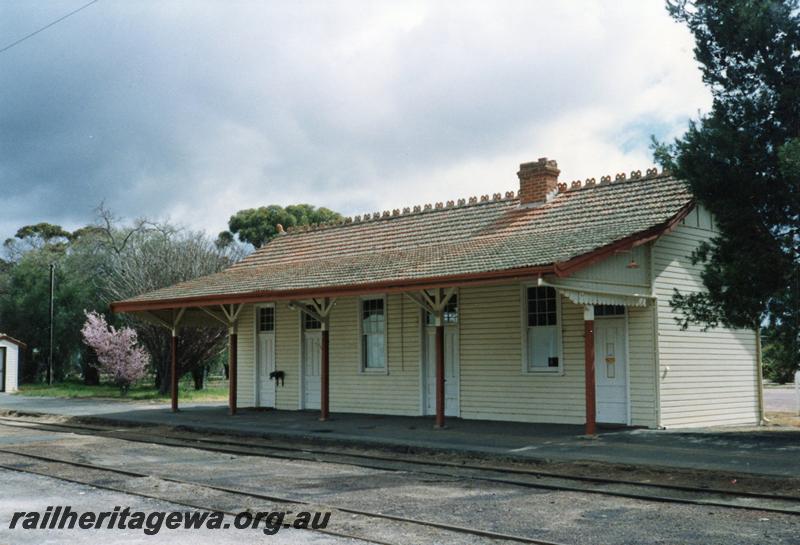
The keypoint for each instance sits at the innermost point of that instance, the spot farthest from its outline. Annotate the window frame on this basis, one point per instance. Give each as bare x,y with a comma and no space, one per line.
603,314
258,308
304,323
527,369
362,368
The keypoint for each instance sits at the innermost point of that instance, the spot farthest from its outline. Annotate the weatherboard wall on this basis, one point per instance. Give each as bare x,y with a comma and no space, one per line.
493,382
11,365
287,356
287,350
245,362
494,385
707,377
394,390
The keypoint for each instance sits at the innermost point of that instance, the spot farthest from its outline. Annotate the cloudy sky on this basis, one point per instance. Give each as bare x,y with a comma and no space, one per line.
193,110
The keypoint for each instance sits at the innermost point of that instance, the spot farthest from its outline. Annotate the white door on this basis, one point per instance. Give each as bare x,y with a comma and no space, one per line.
265,355
266,365
312,352
3,353
611,370
451,369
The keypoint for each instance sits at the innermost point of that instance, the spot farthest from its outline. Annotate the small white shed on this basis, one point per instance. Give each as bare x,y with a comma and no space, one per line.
9,363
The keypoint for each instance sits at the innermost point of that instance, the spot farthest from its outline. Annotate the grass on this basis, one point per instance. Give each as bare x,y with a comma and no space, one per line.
784,419
138,392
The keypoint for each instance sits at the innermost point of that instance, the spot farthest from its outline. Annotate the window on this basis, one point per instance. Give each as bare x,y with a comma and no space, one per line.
609,310
543,330
450,313
266,319
373,334
310,323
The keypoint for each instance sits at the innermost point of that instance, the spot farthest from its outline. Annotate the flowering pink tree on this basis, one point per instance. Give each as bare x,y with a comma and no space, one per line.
117,353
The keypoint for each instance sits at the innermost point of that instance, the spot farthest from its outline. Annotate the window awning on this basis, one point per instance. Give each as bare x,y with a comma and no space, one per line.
581,294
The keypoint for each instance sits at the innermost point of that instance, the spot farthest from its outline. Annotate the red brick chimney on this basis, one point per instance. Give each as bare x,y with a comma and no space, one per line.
536,180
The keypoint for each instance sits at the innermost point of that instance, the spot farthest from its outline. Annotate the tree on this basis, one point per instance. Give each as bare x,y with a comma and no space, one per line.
45,231
150,255
117,352
224,239
25,295
257,226
307,214
97,264
742,162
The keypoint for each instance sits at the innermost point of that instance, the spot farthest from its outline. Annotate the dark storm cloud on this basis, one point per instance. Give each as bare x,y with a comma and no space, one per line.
79,121
197,109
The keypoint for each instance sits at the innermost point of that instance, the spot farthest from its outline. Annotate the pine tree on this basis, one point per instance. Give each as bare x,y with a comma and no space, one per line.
742,161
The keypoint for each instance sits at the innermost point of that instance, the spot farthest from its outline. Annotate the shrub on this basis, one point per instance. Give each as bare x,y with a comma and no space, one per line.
117,352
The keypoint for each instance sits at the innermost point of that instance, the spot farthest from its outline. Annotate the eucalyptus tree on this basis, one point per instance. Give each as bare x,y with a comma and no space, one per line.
257,226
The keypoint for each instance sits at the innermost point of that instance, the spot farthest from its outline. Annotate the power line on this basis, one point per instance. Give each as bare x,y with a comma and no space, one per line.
35,32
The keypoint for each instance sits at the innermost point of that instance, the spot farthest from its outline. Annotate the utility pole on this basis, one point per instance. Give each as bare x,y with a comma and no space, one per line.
52,290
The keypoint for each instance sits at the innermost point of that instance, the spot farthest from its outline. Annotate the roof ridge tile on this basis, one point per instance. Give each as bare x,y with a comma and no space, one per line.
406,211
635,175
473,200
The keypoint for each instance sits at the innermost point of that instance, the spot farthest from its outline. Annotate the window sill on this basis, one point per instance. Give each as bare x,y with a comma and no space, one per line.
558,371
373,371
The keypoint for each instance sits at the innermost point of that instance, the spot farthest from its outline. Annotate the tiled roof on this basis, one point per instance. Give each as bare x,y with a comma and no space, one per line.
480,236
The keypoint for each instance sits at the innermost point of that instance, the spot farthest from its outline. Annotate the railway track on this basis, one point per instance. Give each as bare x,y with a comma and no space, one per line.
101,481
522,477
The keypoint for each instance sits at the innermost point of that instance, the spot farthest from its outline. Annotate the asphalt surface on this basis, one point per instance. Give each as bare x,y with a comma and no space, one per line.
767,451
781,399
564,517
